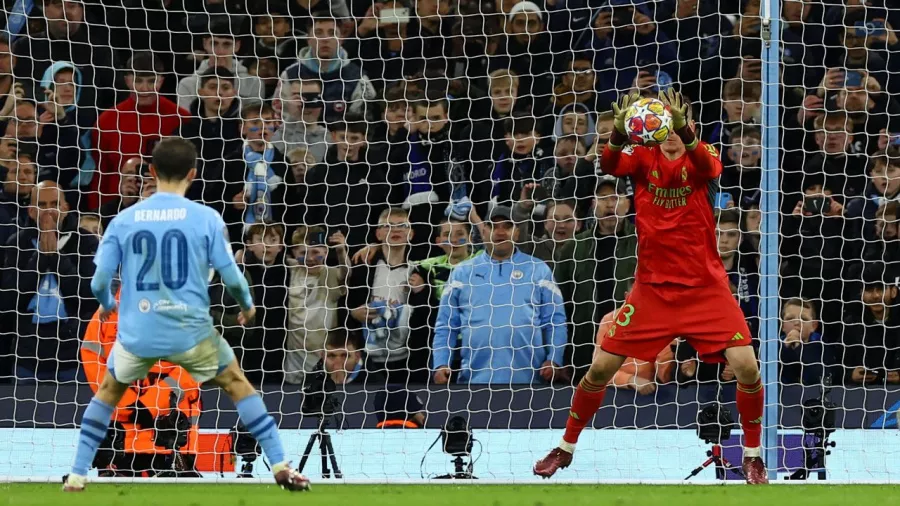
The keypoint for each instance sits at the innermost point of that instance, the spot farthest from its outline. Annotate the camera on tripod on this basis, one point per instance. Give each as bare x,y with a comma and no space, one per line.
171,432
818,421
456,440
714,425
320,400
246,447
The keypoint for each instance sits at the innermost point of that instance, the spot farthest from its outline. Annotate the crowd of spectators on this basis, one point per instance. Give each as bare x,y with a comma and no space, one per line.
413,187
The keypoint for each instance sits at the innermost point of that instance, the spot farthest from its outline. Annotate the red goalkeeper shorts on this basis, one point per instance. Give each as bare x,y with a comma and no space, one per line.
707,317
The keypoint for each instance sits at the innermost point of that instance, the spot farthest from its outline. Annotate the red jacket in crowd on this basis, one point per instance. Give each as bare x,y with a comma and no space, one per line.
126,131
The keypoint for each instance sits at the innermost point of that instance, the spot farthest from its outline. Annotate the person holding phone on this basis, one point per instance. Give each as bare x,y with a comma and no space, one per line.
871,339
813,247
393,50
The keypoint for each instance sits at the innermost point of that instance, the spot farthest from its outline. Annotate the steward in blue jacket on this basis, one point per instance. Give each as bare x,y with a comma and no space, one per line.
504,318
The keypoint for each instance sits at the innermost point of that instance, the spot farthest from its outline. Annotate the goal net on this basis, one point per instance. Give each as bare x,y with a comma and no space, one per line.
415,192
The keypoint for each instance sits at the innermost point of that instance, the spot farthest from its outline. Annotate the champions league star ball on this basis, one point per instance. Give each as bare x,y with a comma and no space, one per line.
648,122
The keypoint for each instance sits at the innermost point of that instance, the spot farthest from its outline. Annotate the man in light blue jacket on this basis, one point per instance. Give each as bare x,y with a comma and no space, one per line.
502,313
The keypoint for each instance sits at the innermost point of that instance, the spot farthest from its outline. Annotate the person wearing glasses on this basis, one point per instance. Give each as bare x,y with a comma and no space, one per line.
378,296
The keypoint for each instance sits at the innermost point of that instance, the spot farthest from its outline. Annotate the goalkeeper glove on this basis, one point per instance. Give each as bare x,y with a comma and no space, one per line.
619,111
677,108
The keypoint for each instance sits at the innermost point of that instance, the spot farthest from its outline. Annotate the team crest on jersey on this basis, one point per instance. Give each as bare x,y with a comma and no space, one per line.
684,174
517,274
144,306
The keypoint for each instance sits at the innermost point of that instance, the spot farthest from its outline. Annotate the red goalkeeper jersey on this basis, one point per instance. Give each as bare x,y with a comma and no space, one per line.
676,228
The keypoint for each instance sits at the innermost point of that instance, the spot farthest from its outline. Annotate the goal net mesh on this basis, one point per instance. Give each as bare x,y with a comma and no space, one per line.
367,159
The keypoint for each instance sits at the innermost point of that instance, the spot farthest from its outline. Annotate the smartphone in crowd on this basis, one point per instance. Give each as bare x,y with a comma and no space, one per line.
393,16
853,79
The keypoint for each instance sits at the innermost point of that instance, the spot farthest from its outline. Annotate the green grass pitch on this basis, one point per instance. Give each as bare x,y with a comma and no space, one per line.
467,495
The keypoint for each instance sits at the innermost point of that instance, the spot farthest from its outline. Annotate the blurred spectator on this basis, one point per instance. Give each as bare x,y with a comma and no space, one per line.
432,155
294,190
883,186
871,334
224,310
23,125
741,173
389,46
15,195
133,127
274,33
513,295
742,272
593,271
859,47
545,235
64,133
345,87
454,238
625,39
741,105
576,119
577,85
91,223
220,48
344,357
131,181
215,129
751,219
523,161
263,258
638,375
10,89
303,119
525,50
392,137
804,358
313,294
813,251
68,38
253,172
884,244
436,19
46,281
378,299
844,172
571,178
344,192
303,12
266,69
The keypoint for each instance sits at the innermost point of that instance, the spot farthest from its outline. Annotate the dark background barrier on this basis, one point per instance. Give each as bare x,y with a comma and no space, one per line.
516,407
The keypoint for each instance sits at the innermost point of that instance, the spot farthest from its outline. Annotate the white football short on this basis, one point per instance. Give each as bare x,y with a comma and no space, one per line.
204,361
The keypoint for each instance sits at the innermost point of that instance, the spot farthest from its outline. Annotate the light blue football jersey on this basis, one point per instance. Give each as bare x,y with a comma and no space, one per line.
165,245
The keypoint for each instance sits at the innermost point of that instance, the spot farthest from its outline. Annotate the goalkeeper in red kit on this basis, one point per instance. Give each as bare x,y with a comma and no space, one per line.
681,289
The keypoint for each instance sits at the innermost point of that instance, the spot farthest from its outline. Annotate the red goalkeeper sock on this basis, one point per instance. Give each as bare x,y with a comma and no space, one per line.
585,403
750,401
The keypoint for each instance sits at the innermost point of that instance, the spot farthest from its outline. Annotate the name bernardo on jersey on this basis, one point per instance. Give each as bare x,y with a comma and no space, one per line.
669,198
176,214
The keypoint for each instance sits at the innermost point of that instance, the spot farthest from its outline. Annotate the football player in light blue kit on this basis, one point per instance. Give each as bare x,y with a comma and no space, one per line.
166,245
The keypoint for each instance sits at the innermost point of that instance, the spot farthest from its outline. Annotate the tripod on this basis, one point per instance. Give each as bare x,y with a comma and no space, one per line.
326,449
722,464
815,450
462,471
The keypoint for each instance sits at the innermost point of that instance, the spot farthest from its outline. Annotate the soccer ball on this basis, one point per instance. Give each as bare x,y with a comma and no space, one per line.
648,122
